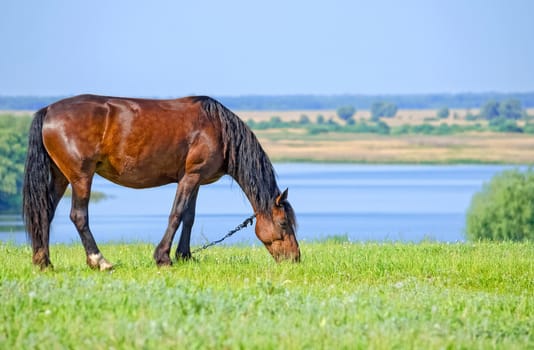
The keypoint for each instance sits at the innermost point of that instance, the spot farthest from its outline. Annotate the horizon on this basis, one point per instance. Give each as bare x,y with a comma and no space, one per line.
252,95
314,102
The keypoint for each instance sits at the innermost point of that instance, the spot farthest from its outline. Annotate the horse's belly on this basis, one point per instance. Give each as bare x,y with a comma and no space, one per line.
136,177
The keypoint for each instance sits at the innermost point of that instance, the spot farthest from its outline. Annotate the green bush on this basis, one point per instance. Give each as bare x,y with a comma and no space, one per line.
529,128
504,125
504,209
443,113
304,119
13,145
319,129
346,112
383,109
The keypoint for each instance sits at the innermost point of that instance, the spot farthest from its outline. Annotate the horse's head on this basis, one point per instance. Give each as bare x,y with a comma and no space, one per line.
277,230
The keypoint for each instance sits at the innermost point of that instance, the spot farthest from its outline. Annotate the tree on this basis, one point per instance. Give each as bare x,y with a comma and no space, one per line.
504,209
383,109
443,113
490,110
251,123
511,109
13,145
275,122
304,119
346,112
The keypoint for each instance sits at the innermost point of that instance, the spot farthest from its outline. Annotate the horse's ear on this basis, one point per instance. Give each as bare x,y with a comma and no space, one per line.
281,198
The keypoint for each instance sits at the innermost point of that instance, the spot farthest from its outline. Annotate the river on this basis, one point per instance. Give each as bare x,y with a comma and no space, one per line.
357,202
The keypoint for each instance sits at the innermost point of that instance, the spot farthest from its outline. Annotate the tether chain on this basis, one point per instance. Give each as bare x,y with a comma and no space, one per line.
248,221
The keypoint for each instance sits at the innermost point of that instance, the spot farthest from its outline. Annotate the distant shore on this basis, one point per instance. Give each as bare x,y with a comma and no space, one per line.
487,148
286,144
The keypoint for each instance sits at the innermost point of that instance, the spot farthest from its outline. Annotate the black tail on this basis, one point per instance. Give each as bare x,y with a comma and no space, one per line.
37,207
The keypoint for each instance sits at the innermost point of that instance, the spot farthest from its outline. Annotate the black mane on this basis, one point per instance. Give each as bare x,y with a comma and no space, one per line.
246,160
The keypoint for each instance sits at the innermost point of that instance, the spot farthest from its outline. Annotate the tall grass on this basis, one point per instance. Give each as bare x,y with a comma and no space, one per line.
341,295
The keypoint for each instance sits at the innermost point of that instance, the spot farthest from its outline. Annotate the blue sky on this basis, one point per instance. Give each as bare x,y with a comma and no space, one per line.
238,47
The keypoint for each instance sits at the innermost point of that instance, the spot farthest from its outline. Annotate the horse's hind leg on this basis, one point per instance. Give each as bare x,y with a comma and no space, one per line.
81,191
56,187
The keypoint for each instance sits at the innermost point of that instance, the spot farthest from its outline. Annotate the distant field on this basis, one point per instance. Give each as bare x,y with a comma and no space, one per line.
286,145
403,115
487,147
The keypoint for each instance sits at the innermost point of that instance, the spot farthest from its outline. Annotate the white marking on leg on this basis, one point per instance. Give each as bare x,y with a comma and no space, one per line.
94,259
105,265
98,260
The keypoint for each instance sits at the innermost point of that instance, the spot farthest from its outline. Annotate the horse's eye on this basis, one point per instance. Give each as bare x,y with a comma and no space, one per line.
283,225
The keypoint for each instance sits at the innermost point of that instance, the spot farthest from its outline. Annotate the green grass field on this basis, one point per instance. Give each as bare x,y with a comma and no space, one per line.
342,295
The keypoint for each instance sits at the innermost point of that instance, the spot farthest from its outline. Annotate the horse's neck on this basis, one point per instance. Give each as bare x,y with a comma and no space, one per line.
259,188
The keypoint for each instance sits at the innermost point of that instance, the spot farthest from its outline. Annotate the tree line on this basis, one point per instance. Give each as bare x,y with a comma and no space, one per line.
414,101
500,117
317,102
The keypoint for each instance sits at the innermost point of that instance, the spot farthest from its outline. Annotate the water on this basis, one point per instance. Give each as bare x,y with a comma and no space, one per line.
361,202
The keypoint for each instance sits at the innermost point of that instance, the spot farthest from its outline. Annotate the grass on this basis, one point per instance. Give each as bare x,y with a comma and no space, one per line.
342,295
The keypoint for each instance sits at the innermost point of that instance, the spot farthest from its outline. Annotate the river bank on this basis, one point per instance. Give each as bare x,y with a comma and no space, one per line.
466,148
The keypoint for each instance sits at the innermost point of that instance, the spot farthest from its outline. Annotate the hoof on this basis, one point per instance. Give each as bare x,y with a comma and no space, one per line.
45,265
41,259
97,261
183,256
164,262
105,265
162,257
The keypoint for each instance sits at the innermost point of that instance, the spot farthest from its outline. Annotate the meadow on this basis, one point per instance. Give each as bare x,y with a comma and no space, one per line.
470,148
295,144
342,295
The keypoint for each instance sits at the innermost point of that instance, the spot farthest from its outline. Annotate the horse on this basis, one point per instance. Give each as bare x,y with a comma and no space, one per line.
141,143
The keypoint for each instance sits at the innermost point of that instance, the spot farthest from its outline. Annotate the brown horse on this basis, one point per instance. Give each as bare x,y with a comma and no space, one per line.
143,143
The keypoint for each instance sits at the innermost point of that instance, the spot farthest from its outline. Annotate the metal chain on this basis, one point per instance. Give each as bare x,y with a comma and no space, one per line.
248,221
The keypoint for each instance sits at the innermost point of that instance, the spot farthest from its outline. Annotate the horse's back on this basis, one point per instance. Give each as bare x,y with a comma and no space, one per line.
96,106
134,142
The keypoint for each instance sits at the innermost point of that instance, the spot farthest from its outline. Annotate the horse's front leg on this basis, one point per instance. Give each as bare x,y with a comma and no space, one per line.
183,252
184,196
